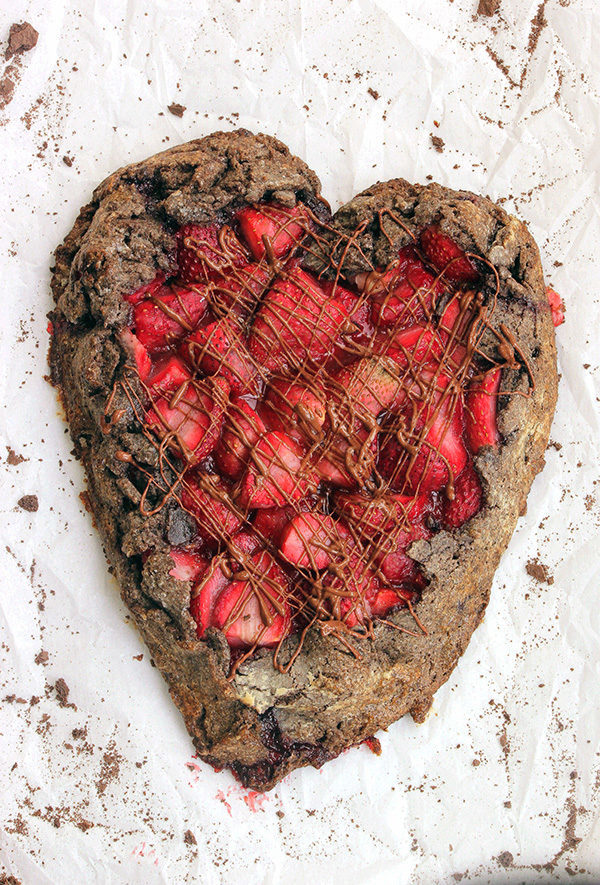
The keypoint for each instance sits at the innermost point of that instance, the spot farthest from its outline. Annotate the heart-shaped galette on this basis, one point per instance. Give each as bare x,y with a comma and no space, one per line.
307,439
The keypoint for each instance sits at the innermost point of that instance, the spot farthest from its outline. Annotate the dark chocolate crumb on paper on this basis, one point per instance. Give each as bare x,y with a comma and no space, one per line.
21,38
438,143
189,838
505,859
539,572
177,110
373,93
29,503
488,7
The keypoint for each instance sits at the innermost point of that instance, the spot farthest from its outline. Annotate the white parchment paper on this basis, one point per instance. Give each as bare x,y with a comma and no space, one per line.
502,782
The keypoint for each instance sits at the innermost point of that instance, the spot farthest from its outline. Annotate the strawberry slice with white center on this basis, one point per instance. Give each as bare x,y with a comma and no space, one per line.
189,565
467,500
295,408
282,227
220,349
138,352
276,473
206,592
446,256
253,610
207,498
311,540
404,293
166,317
186,412
242,429
296,322
206,251
480,414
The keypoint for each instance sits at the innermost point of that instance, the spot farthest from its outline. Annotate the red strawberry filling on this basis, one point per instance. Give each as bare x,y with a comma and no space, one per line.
311,429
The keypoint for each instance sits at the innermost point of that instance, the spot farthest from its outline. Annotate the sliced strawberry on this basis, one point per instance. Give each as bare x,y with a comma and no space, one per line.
207,498
168,315
435,428
416,344
311,539
269,524
357,307
295,408
480,414
350,586
404,293
556,306
255,610
278,224
240,290
189,416
371,515
220,349
146,291
296,322
243,426
169,375
394,562
385,600
244,544
444,255
467,500
276,473
136,349
205,251
205,594
189,566
371,384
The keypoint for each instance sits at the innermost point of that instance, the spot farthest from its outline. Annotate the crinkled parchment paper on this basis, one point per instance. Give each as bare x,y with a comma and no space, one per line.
97,778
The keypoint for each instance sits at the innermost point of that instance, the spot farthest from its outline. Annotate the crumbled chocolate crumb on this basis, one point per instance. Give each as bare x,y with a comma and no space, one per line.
13,458
539,571
438,143
505,859
68,161
29,503
488,7
373,93
189,838
177,110
62,693
21,38
42,657
9,880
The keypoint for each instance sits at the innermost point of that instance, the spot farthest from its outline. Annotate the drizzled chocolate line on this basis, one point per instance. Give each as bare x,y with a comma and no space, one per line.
347,435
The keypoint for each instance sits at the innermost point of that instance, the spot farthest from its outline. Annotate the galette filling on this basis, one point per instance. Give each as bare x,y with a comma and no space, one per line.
313,427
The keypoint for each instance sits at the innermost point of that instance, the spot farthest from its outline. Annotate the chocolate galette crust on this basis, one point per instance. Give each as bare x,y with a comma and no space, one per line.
264,723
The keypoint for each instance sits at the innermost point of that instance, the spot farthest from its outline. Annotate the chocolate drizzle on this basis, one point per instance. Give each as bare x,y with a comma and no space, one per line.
368,392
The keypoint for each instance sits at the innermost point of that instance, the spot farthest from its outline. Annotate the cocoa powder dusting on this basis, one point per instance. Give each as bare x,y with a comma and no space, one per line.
109,768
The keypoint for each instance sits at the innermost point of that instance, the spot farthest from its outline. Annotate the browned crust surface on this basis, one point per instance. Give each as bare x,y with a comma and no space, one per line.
264,723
